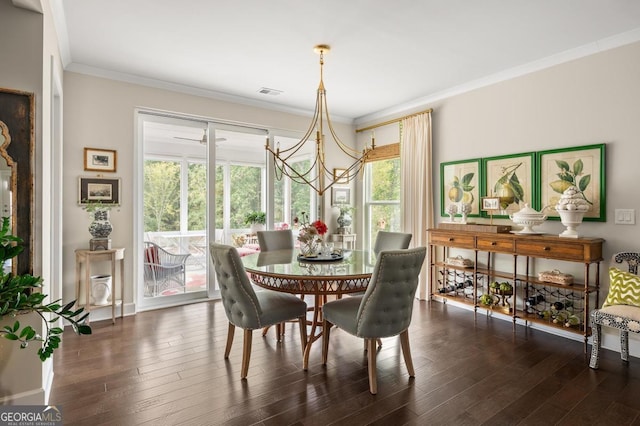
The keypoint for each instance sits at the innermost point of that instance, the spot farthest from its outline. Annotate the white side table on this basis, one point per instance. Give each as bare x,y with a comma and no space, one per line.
347,241
86,257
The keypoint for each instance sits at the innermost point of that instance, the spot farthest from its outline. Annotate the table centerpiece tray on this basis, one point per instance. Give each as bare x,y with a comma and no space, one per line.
333,257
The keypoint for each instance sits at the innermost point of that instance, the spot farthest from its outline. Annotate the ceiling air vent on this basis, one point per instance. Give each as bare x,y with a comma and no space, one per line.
267,91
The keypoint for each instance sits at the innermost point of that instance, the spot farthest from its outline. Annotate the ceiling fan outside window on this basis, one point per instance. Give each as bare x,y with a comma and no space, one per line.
202,140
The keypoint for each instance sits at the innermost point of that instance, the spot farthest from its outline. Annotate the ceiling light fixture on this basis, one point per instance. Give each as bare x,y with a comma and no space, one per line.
318,171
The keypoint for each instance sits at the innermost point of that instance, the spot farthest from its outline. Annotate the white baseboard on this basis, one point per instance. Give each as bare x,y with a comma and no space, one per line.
32,397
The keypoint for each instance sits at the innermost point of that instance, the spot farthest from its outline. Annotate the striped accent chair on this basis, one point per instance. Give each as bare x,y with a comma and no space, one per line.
621,309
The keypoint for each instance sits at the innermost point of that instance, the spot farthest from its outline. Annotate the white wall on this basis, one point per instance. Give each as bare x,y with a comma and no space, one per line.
99,113
586,101
21,69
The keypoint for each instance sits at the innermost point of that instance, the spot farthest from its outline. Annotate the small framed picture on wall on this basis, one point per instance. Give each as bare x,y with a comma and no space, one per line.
340,196
100,160
101,190
340,176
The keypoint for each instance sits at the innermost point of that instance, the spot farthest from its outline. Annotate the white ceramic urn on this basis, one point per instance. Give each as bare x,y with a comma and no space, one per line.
528,218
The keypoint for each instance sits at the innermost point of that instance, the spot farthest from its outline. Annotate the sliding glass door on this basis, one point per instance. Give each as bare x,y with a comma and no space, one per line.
174,211
199,181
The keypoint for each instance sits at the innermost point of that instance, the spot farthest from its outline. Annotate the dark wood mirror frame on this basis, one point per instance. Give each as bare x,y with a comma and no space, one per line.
17,111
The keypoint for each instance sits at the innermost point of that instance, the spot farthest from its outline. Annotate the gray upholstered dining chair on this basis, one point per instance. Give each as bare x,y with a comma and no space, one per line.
269,241
383,311
386,240
621,309
248,309
275,240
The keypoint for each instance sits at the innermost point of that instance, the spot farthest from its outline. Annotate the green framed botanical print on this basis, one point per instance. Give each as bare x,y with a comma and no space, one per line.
460,183
580,166
510,178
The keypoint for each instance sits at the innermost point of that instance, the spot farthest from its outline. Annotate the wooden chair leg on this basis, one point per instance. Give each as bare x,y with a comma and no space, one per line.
230,332
406,352
279,333
246,353
377,340
326,329
371,357
302,322
264,330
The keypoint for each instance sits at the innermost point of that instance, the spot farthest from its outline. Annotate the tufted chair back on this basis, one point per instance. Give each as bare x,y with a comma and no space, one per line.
391,241
387,305
275,240
238,297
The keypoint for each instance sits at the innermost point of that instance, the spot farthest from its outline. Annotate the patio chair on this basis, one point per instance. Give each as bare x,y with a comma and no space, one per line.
163,270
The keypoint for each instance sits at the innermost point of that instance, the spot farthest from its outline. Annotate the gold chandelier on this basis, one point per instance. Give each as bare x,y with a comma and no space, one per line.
318,175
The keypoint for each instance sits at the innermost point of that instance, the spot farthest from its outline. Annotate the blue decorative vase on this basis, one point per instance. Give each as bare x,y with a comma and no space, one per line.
100,226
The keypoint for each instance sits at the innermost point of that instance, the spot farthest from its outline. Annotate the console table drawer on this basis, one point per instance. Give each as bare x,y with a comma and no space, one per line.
504,245
449,239
551,250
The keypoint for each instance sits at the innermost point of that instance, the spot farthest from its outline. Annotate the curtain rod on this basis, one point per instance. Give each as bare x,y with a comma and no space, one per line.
395,120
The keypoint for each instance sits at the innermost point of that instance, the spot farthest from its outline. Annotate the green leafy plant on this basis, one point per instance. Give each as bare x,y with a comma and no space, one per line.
255,217
487,300
344,209
18,295
94,206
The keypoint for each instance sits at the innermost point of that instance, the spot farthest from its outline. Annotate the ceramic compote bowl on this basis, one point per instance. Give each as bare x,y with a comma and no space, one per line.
528,218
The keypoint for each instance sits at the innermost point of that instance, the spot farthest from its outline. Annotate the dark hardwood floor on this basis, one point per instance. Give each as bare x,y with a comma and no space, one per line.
166,367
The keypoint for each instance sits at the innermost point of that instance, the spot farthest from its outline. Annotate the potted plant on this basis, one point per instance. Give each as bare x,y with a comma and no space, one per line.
19,295
256,221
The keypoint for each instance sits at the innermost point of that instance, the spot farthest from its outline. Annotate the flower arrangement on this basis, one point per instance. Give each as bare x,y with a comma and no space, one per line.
310,235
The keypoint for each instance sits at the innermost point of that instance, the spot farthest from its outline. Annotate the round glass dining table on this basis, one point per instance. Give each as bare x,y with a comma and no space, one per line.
285,271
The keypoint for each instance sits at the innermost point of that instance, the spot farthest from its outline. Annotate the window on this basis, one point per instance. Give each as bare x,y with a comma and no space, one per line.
382,198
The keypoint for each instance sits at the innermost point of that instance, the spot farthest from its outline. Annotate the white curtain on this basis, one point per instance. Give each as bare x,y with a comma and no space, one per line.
417,186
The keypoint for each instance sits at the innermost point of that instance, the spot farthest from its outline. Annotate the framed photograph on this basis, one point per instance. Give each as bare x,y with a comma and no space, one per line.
336,176
100,160
490,204
101,190
460,183
580,166
340,196
511,179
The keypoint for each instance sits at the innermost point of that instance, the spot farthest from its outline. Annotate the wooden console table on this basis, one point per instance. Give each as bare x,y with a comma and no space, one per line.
531,299
86,257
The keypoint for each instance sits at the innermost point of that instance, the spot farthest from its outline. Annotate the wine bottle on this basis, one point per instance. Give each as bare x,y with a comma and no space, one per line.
534,300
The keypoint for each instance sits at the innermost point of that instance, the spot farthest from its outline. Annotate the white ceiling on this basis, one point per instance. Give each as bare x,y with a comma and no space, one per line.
386,55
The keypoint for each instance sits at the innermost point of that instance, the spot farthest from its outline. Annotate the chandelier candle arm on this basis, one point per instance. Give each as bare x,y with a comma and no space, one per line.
318,172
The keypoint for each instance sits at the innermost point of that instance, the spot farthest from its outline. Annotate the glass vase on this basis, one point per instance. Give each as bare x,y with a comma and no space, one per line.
310,248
